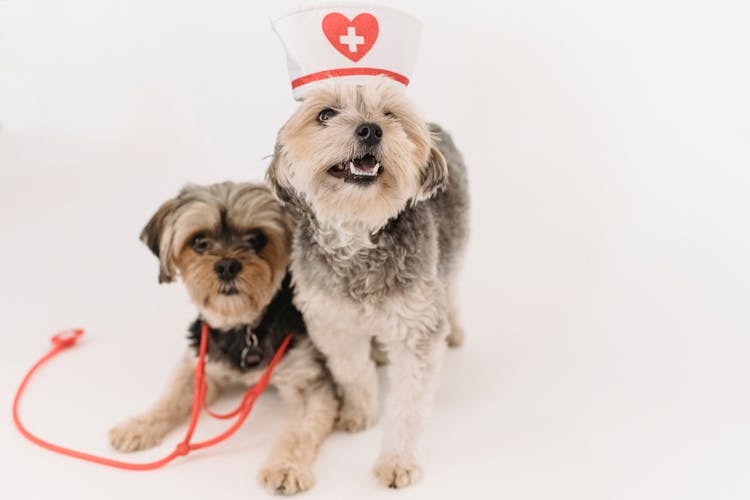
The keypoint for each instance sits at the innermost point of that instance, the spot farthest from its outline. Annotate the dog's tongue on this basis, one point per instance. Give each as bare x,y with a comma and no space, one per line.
366,163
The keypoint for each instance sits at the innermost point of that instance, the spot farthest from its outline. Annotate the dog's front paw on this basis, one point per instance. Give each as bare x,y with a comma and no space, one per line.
357,416
397,471
135,434
286,478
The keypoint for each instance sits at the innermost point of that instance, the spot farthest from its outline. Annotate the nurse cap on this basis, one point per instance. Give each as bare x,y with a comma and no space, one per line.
348,42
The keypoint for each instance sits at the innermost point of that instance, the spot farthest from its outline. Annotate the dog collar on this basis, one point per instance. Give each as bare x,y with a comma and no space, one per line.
248,346
243,347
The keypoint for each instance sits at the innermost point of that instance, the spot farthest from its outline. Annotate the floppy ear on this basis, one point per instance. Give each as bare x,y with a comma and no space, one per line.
277,178
157,235
434,175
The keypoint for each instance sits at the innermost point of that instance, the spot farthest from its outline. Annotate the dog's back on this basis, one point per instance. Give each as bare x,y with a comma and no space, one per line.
450,206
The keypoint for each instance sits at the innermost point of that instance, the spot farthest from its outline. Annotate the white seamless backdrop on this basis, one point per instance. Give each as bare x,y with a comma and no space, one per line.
606,287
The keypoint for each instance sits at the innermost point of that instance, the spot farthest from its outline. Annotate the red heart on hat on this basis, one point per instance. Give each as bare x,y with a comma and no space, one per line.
354,38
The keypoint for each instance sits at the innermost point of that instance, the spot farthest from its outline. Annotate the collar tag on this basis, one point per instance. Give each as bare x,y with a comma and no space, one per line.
250,355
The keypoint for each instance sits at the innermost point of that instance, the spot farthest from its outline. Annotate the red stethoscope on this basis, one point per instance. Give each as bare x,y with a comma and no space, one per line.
68,338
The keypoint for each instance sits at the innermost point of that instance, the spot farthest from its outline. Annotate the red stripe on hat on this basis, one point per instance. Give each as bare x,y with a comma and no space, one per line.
322,75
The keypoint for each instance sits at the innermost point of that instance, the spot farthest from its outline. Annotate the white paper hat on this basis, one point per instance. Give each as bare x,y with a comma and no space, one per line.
348,42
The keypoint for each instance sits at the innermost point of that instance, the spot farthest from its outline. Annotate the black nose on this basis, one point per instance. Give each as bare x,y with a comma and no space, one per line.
228,269
369,133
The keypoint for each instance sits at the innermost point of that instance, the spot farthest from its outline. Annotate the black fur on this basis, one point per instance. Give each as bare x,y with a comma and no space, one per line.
280,318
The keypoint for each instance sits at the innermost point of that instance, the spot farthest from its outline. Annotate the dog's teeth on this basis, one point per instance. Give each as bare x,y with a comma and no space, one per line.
358,171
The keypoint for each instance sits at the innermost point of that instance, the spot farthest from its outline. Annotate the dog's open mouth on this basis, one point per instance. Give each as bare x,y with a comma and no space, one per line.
228,289
362,170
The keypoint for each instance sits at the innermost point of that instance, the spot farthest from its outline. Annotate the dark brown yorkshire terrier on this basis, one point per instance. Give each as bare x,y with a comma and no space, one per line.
230,243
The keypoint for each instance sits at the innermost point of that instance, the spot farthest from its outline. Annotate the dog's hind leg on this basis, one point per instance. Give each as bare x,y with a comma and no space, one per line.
378,354
456,335
456,332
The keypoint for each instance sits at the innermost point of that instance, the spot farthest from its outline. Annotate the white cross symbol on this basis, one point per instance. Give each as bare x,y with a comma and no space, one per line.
351,39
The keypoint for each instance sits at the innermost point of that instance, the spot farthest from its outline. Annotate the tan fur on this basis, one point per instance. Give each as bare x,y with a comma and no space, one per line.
198,274
302,382
407,144
148,429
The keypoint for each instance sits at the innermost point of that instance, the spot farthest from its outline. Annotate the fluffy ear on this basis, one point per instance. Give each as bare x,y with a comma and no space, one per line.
434,175
157,235
277,178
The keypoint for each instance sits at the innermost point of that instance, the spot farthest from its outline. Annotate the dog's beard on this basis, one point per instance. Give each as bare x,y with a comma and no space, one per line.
230,303
359,189
227,304
363,170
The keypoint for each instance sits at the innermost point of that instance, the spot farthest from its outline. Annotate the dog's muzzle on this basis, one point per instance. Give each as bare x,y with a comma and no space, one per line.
362,170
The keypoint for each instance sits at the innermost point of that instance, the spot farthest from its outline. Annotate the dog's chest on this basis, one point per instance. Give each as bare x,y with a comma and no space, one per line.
420,308
361,268
300,364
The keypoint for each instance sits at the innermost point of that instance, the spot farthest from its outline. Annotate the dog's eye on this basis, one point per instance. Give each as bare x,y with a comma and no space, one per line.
256,239
326,115
388,114
199,243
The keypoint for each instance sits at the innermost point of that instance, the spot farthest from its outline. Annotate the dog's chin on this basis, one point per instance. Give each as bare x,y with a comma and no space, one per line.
362,170
357,206
227,309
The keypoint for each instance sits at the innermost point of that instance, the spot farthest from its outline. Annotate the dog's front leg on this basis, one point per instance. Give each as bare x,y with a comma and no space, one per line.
312,412
175,404
348,359
413,375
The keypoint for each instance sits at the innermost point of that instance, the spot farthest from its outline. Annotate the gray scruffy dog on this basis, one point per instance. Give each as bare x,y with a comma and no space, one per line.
381,203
